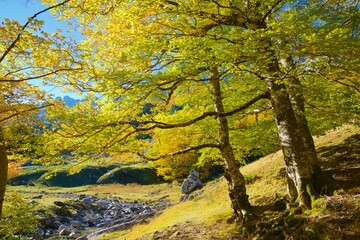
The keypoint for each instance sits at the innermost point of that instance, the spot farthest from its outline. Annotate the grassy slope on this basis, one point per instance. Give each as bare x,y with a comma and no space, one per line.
206,216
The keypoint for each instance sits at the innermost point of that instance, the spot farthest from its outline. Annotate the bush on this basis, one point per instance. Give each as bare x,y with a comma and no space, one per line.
18,217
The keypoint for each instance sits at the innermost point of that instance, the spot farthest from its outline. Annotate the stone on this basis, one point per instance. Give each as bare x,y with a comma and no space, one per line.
64,230
103,204
56,224
38,234
74,213
45,220
87,201
191,183
74,235
76,224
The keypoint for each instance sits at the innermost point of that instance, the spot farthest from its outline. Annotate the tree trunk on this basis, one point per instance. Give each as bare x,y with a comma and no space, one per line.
322,182
297,163
3,170
236,182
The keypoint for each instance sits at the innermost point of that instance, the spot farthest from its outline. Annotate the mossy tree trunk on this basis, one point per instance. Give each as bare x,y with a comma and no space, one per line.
236,182
3,170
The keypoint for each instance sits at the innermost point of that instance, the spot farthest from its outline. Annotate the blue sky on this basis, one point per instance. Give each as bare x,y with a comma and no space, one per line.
20,10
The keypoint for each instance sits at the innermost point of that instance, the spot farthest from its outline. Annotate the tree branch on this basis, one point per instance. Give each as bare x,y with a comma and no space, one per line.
24,111
182,151
162,125
12,45
39,76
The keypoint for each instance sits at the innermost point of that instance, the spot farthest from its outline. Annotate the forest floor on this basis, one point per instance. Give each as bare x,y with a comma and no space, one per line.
208,215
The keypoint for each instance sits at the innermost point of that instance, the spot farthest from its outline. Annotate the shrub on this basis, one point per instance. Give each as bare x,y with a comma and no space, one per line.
18,217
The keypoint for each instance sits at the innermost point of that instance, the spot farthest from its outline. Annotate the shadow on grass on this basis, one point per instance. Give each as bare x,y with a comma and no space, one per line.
342,162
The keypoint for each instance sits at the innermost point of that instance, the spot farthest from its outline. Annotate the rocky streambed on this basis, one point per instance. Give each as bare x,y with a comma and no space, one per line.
88,217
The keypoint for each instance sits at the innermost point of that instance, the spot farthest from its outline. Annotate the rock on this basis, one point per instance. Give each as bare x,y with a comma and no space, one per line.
87,201
32,201
76,224
191,183
64,230
74,235
103,204
45,220
38,234
57,224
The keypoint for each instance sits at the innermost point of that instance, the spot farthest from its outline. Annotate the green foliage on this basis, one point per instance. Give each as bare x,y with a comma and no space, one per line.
151,52
175,167
18,217
23,139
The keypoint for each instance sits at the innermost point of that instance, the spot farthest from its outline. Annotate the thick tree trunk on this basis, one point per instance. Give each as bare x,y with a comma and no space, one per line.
236,182
297,164
322,182
3,170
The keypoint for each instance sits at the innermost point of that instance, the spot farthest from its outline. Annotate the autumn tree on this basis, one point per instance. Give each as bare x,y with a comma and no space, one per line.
153,51
28,53
151,72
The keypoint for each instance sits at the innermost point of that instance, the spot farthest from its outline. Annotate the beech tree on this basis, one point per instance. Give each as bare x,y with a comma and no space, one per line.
153,51
28,53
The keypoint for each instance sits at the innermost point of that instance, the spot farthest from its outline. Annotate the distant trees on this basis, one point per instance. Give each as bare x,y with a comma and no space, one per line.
216,59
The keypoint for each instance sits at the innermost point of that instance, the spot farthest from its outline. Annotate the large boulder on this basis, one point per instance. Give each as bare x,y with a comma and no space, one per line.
191,183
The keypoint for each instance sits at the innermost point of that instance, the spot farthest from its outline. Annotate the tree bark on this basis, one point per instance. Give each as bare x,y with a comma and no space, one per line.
3,170
297,164
322,183
236,182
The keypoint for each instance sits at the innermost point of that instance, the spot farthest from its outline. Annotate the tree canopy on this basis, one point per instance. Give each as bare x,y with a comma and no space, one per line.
214,79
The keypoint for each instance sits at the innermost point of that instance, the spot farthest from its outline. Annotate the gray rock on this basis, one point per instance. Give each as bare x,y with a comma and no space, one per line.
57,224
74,213
74,235
87,201
103,204
191,183
64,230
38,234
76,224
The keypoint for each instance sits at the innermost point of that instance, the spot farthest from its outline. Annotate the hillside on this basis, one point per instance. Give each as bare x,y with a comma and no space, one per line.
208,215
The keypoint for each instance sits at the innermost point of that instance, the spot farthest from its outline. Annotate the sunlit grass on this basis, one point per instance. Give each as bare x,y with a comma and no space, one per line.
208,210
214,205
